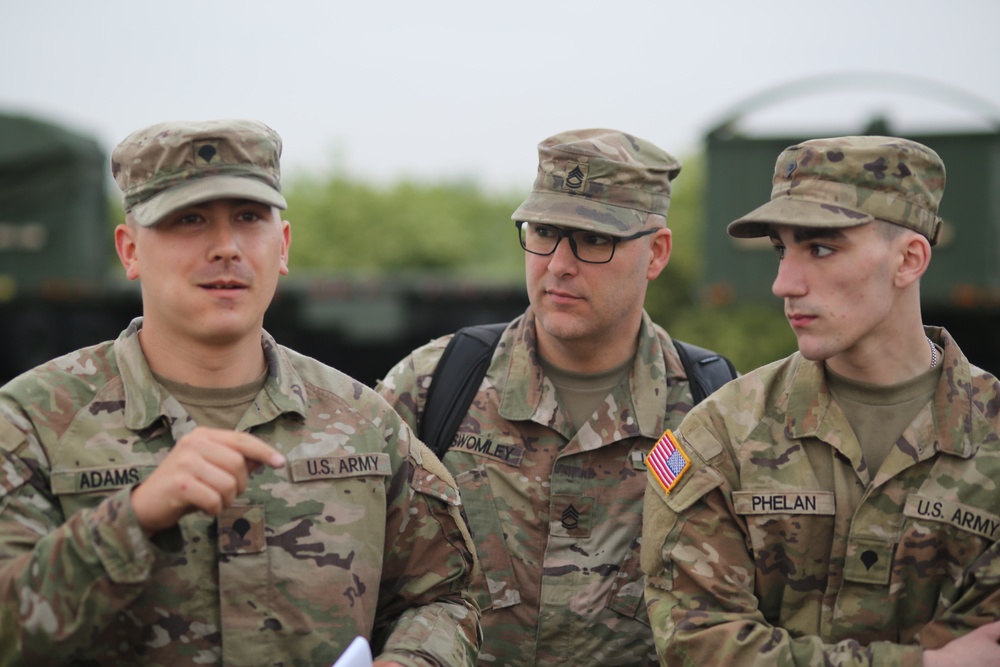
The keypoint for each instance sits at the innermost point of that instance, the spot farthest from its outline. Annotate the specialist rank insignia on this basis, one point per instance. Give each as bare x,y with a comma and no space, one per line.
668,461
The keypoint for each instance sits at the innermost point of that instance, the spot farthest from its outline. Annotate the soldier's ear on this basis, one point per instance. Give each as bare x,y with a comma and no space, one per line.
660,246
913,252
125,246
286,243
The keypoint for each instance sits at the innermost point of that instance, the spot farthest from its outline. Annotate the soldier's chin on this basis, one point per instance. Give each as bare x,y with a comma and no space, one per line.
813,353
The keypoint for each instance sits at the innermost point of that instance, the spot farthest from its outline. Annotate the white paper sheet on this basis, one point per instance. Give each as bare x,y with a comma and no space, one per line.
357,654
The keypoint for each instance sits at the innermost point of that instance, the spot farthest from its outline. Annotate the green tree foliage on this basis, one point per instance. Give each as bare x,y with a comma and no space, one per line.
342,225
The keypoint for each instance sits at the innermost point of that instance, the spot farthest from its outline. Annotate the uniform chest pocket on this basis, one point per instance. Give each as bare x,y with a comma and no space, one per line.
495,585
797,522
316,539
335,506
938,533
791,534
627,591
627,596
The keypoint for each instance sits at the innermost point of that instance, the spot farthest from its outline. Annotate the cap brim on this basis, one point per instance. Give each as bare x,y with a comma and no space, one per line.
797,212
150,212
580,213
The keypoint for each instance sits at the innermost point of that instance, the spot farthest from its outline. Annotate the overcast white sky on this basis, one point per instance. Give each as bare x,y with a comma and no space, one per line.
465,90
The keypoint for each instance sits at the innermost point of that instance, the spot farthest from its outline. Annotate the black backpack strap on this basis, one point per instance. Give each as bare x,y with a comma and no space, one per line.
467,357
706,370
455,382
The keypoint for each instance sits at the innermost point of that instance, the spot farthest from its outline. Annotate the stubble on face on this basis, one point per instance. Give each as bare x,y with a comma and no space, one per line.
209,273
582,309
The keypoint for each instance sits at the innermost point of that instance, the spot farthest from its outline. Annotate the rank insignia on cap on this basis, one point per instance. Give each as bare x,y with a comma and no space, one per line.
205,151
576,177
668,461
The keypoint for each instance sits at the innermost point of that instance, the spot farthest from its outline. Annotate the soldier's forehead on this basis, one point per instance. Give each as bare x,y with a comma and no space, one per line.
801,234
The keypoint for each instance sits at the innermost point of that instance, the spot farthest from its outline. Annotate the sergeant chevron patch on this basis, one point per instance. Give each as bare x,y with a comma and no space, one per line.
668,461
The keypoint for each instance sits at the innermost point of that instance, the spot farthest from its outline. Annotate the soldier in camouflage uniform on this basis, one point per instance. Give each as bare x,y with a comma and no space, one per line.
193,493
549,458
840,506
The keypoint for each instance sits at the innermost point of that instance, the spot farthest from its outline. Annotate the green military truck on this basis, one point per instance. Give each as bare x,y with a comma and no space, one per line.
61,286
961,290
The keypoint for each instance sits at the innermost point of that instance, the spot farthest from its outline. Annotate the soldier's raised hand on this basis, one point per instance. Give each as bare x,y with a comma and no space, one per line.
206,470
979,647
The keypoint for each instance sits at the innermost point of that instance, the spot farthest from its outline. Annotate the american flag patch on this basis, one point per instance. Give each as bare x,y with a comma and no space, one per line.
668,461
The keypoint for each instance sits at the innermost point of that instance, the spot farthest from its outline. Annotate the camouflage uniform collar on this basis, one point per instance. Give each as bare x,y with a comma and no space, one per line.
146,401
654,363
284,387
523,381
960,426
525,394
809,404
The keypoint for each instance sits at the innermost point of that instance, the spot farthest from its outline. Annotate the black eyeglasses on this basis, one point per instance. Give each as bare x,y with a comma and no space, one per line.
587,246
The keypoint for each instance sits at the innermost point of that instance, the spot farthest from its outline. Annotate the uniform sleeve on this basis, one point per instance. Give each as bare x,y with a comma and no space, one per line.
399,388
700,585
977,604
426,615
406,384
61,578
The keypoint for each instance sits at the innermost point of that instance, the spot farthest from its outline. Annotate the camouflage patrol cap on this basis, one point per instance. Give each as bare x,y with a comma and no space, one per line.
167,166
850,181
600,180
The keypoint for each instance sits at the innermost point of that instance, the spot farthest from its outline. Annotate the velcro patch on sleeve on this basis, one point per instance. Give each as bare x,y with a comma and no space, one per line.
13,472
441,486
668,461
11,437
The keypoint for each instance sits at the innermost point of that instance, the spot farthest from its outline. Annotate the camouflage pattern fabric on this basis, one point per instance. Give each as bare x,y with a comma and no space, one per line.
555,514
778,548
167,166
360,533
851,181
600,180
